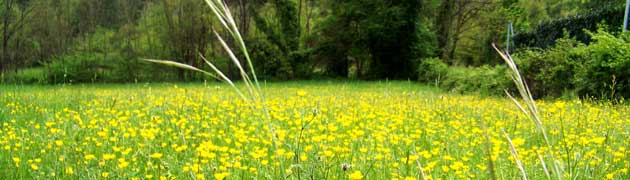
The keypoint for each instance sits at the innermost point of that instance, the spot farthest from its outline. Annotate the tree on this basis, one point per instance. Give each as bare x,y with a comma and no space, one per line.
454,19
444,23
15,14
51,29
393,41
188,25
281,28
381,37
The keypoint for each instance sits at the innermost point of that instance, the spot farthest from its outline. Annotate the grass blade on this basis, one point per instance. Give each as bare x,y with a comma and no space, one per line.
530,110
515,155
180,65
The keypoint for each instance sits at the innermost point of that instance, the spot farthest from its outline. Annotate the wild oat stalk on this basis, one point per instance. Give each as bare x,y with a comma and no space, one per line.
531,111
253,96
423,175
514,153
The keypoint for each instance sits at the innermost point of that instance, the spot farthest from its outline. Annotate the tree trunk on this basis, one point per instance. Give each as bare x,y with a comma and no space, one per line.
244,18
444,22
300,14
451,52
308,21
5,35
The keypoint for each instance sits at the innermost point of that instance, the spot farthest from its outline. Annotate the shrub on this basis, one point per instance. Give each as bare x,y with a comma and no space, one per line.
26,75
78,67
485,79
551,72
432,70
546,34
599,69
97,59
606,73
269,61
301,64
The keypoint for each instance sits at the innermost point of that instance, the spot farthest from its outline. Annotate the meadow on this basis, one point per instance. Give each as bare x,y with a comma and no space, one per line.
324,130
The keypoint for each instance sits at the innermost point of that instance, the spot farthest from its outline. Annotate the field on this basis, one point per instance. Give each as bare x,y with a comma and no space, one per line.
324,130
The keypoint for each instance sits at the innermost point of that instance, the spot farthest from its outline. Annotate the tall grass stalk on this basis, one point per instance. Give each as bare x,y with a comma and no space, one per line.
423,175
254,97
488,151
514,153
531,111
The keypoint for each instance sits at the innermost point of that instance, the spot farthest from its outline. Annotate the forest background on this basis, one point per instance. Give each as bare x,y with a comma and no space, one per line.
441,42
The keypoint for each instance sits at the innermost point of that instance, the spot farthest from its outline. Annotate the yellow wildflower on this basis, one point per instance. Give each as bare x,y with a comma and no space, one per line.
69,171
221,176
58,143
89,157
356,175
156,155
108,156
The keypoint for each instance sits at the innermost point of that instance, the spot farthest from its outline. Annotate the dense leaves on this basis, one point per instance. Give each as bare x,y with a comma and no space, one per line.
545,35
605,72
76,41
550,72
379,38
487,80
599,69
432,70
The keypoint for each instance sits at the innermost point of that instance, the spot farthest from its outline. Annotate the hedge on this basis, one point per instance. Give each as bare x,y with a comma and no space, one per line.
546,34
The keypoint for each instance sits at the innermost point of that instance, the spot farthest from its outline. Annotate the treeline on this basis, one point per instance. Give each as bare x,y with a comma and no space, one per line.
581,55
610,16
60,41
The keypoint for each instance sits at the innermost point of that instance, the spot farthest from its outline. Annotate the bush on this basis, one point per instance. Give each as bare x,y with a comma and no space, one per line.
488,80
546,34
551,72
102,61
269,61
485,79
26,75
92,67
81,67
606,73
599,69
432,70
301,63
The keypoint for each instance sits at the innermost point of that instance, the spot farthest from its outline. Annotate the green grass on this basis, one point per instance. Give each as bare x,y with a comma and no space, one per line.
383,130
25,75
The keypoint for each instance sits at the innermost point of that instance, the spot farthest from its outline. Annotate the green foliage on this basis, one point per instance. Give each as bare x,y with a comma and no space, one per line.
269,60
97,60
487,80
392,39
286,11
550,72
427,44
432,70
363,39
605,72
545,34
90,67
596,70
81,67
388,32
302,63
285,38
34,75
